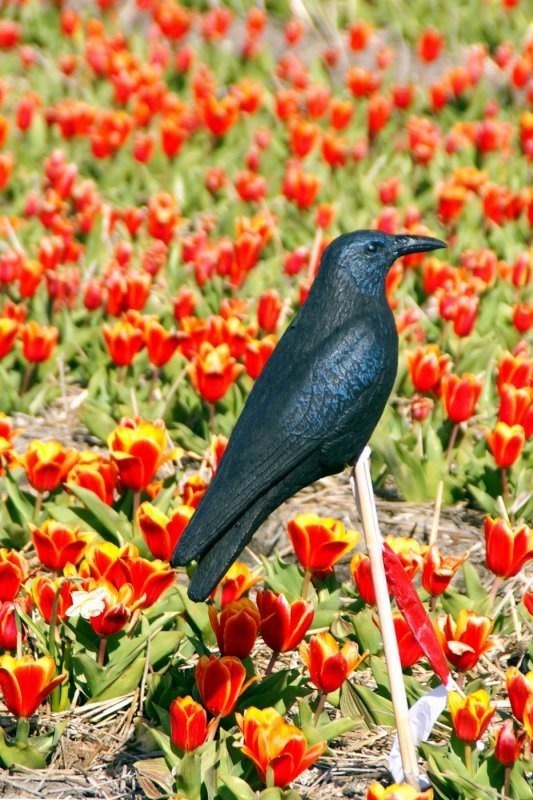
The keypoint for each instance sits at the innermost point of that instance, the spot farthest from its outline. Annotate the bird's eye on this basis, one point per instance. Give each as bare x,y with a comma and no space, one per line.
373,247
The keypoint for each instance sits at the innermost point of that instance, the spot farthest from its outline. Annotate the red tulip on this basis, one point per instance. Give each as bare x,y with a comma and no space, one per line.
220,681
188,723
283,625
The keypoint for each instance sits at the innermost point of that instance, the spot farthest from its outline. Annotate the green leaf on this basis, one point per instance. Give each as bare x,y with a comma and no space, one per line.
237,788
360,700
484,500
102,518
98,422
474,587
126,682
331,730
19,754
19,504
282,577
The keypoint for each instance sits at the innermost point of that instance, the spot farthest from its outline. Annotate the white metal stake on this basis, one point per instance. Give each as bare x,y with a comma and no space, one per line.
363,493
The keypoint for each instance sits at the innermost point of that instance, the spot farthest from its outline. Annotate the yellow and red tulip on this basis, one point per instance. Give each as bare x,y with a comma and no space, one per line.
471,714
38,341
162,533
426,366
237,581
438,570
57,545
278,750
507,548
43,594
138,449
460,396
27,682
214,371
328,664
47,464
505,443
188,723
362,575
236,627
221,681
466,639
319,542
520,690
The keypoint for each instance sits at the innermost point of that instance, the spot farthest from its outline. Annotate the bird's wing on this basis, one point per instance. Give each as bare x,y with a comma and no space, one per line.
295,405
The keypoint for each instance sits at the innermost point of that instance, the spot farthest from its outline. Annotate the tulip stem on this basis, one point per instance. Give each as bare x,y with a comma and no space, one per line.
173,389
319,708
451,443
468,757
101,651
23,730
361,483
505,485
305,584
38,506
270,665
26,379
494,590
213,727
506,781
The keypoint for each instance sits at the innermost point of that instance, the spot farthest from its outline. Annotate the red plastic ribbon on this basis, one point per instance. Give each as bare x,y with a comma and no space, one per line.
413,611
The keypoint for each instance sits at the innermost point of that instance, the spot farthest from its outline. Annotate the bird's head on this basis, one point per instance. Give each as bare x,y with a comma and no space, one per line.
368,255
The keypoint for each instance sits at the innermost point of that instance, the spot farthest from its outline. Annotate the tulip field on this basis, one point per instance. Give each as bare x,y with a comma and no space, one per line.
170,174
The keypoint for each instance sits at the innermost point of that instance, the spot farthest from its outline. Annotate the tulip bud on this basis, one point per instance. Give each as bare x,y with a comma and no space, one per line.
507,744
362,575
220,681
505,443
519,689
328,664
236,627
188,723
8,626
283,625
507,550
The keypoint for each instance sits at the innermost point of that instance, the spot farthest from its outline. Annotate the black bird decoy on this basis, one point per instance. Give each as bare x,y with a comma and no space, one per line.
314,406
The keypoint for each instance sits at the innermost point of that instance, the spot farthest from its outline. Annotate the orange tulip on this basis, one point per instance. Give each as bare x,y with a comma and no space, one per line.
56,545
146,579
471,714
257,353
43,593
100,558
38,341
516,370
96,473
268,310
438,570
507,550
464,641
160,343
236,627
527,718
123,341
397,791
426,366
162,533
283,624
13,573
220,681
8,333
508,744
193,490
410,650
188,723
319,542
47,464
138,449
214,371
362,576
505,443
520,690
26,682
238,580
460,396
516,407
328,664
275,747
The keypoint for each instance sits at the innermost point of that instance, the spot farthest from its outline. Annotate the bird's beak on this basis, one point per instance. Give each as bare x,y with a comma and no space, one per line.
417,244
